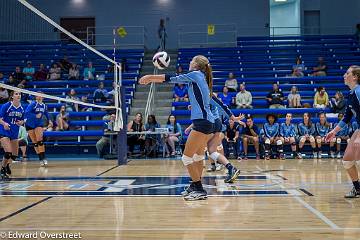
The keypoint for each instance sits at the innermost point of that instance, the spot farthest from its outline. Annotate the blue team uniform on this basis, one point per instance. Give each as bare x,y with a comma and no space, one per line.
352,107
306,130
288,130
343,131
271,130
11,114
31,111
322,130
219,109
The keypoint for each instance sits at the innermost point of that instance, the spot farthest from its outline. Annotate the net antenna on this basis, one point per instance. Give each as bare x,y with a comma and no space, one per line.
119,124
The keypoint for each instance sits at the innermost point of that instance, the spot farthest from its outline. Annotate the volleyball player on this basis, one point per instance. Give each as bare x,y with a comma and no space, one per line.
35,126
288,134
11,118
352,152
199,81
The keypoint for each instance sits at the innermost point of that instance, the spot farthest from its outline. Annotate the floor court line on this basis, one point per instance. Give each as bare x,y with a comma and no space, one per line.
310,208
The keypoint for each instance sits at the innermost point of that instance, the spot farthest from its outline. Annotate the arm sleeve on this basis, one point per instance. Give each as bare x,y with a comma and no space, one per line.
182,78
347,117
222,107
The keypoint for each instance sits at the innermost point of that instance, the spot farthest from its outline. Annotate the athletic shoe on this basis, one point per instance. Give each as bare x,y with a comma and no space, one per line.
338,156
319,155
282,156
332,154
187,190
267,157
3,174
8,170
211,169
219,167
315,155
232,175
353,193
43,163
196,195
299,155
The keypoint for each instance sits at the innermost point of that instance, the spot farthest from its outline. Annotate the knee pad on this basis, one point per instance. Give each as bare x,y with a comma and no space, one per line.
338,140
267,141
215,156
348,164
7,155
198,158
220,147
186,160
279,142
14,157
40,143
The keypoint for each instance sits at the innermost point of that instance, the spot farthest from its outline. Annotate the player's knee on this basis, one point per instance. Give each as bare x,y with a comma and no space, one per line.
279,142
187,160
215,156
267,141
348,164
198,158
220,147
338,140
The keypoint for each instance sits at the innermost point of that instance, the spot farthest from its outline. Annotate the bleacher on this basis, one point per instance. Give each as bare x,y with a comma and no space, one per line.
260,61
85,127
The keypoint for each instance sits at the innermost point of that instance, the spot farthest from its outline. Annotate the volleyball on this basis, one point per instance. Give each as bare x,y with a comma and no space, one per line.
161,60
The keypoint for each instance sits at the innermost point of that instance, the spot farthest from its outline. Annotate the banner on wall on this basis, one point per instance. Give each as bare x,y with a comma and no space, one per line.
211,29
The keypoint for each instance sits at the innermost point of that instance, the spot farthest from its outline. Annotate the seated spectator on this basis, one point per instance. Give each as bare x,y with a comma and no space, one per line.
271,131
104,142
18,78
89,72
83,108
288,134
250,134
243,98
62,120
174,135
322,128
232,137
307,133
4,95
225,97
65,64
294,98
231,83
321,98
55,72
298,68
135,125
338,103
181,93
101,94
341,136
23,142
41,74
320,69
74,72
151,140
275,98
72,107
29,71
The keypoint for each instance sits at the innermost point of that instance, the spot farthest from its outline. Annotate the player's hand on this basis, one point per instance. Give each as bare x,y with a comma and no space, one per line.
330,136
238,118
145,80
6,126
38,115
187,131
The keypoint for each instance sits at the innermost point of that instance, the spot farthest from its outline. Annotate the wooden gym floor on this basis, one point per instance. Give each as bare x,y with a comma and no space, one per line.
292,199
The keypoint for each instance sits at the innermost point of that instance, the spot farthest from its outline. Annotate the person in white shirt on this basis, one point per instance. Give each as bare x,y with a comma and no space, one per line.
243,98
231,83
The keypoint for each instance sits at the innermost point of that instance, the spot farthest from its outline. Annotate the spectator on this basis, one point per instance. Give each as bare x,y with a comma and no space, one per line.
225,97
104,141
84,108
271,131
338,103
298,68
4,95
174,135
101,94
307,133
62,120
23,142
29,71
55,72
231,83
72,107
294,98
74,72
162,35
181,93
250,134
89,72
65,64
275,98
41,74
320,69
135,125
150,139
288,134
232,137
341,136
18,77
322,128
243,98
321,98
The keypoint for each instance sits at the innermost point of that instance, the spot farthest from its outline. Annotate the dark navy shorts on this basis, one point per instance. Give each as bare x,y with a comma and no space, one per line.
203,126
217,126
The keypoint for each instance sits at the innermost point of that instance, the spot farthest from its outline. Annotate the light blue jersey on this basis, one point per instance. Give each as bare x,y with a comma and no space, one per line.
322,130
306,130
288,130
199,94
271,130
